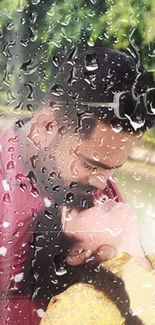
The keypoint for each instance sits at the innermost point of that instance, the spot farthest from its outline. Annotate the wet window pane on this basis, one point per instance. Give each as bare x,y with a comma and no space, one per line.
77,175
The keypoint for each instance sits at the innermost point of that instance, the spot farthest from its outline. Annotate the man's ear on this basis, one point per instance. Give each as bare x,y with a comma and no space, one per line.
46,121
43,129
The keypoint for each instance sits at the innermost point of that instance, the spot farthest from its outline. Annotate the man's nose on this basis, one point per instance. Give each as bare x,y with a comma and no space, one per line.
99,179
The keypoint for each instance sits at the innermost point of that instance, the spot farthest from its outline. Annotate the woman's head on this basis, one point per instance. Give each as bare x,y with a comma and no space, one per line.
106,229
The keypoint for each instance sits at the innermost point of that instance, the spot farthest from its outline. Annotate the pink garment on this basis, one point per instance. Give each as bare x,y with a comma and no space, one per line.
18,209
17,213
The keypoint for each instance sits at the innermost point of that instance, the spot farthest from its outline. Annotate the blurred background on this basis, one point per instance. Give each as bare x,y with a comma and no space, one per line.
36,36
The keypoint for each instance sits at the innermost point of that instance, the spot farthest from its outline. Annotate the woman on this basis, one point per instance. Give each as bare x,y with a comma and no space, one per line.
121,290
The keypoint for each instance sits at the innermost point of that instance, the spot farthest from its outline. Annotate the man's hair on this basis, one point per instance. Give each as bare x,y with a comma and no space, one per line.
104,85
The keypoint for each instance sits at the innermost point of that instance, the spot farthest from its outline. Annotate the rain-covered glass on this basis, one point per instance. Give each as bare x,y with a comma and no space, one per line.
77,162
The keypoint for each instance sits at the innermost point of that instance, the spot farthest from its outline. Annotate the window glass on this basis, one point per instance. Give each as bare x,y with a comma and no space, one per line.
77,175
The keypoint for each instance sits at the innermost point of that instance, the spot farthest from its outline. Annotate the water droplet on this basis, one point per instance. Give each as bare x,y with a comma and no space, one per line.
61,271
91,42
47,214
69,197
91,62
93,2
73,169
19,277
29,67
55,60
49,128
115,232
73,185
122,147
66,213
135,125
90,78
57,90
83,203
13,140
125,139
6,185
24,42
10,165
23,21
55,281
34,192
34,160
72,76
23,187
33,17
6,198
40,312
1,32
10,26
56,188
30,108
137,177
96,156
61,131
117,129
11,149
35,2
31,90
32,34
72,55
101,177
6,49
104,129
20,123
3,251
5,224
53,174
138,205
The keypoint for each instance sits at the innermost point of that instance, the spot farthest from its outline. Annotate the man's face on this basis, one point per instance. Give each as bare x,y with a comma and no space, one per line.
93,161
69,164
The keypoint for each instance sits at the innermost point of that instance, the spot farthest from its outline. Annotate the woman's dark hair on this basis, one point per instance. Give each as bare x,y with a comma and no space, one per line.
47,274
106,85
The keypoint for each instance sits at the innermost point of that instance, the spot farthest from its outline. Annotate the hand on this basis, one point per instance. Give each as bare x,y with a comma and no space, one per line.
105,230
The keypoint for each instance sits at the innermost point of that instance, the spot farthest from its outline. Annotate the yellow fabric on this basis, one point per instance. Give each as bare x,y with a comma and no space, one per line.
82,304
139,284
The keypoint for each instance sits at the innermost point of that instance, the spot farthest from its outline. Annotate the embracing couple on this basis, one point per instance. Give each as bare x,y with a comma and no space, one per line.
70,250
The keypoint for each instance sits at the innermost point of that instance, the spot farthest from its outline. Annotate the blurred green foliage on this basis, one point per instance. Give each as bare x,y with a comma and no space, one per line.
37,35
125,24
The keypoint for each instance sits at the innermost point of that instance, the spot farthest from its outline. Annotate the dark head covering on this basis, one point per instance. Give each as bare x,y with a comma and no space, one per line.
111,80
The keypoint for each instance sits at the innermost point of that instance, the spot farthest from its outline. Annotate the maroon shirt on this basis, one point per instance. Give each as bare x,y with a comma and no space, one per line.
19,205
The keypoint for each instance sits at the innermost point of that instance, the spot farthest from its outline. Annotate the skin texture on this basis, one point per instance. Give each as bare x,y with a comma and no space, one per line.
71,153
107,149
109,226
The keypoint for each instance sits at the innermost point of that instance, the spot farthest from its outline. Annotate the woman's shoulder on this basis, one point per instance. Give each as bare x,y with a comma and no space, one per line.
82,304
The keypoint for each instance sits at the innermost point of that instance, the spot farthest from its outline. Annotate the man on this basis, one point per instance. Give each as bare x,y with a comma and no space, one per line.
62,160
